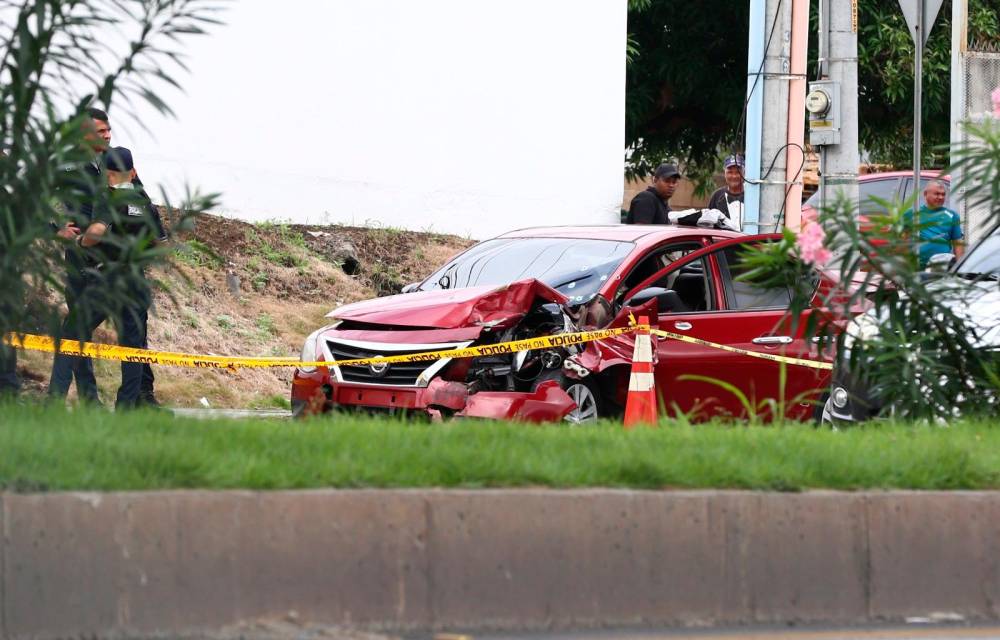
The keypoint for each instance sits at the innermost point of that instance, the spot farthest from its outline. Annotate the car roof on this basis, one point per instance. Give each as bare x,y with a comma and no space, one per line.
929,173
638,233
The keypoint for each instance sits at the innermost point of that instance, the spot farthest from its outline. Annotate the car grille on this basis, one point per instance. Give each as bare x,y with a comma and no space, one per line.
403,374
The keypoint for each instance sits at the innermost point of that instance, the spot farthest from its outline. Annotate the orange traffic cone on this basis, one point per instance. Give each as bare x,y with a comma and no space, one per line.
640,407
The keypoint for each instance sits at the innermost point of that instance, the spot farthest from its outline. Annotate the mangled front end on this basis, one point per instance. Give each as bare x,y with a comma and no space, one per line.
525,385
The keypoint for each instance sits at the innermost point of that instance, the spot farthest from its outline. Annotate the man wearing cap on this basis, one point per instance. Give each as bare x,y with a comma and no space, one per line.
729,199
651,206
127,219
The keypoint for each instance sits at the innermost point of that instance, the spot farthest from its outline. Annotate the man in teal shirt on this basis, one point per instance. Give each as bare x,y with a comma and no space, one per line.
940,228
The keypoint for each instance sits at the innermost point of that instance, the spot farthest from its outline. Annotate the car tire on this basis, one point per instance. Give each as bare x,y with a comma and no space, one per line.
821,411
584,392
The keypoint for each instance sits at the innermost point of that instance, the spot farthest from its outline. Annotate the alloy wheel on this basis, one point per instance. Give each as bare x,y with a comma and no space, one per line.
586,404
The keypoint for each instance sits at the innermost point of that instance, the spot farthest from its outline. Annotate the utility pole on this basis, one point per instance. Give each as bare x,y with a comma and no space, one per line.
768,72
833,102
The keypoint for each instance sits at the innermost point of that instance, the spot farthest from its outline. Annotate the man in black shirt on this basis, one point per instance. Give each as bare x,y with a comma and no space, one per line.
651,206
128,218
729,199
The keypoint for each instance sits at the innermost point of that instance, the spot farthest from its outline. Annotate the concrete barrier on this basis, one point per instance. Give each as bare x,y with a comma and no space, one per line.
87,564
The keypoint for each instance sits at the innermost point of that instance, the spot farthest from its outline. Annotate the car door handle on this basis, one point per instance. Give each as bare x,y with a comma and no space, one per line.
680,326
772,340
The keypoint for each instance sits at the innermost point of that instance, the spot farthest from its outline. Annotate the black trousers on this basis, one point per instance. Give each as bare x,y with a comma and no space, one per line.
130,324
9,382
82,369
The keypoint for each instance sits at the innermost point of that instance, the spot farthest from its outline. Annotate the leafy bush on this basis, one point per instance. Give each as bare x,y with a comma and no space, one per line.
913,349
57,59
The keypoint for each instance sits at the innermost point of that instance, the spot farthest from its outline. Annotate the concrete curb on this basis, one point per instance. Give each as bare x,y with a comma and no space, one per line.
127,564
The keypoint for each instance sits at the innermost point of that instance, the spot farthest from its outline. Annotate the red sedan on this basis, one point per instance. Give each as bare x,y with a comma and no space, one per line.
551,280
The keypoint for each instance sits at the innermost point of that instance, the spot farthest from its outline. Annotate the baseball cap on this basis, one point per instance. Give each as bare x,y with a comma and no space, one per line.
735,160
118,159
666,170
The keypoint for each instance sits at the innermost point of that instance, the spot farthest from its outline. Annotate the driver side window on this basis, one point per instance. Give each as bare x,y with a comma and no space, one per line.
655,261
691,282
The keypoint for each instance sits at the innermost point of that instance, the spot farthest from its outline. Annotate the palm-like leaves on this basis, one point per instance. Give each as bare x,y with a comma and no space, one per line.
57,58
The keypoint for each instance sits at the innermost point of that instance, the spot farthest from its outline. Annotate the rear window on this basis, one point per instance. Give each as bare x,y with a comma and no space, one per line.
885,189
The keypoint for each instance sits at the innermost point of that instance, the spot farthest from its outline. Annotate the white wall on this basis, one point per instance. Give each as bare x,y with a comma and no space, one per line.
460,116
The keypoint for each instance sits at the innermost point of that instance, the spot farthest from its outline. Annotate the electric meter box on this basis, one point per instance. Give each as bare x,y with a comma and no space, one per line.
823,107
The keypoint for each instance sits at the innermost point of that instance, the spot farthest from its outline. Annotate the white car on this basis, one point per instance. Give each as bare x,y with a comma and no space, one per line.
851,400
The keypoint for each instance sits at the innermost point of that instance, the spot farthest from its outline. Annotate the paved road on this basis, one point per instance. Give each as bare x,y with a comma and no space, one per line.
885,633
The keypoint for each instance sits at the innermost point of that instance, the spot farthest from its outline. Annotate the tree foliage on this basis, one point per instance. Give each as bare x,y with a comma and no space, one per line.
885,79
685,82
57,58
687,71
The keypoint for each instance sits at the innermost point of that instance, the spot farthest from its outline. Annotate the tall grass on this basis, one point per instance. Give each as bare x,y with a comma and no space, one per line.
48,449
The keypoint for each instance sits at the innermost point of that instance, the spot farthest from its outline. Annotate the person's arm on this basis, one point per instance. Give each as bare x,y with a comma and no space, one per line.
715,202
68,232
643,210
957,246
160,234
93,234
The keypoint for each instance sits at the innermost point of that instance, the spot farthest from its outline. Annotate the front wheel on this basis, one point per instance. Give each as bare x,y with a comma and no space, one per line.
584,392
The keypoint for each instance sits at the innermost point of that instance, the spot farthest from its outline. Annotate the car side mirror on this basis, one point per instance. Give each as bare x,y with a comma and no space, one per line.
410,287
940,262
667,300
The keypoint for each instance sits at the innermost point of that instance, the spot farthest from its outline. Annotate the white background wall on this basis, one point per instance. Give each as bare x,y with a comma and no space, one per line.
460,116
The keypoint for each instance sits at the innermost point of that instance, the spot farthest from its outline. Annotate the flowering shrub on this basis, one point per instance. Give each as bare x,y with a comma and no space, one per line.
917,351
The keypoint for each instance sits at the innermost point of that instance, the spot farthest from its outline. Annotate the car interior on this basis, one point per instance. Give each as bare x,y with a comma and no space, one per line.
690,282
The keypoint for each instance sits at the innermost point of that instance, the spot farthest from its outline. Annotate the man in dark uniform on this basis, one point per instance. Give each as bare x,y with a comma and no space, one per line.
126,220
78,194
651,206
79,203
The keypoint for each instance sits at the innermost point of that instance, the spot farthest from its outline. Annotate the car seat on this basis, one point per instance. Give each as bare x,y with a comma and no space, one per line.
690,286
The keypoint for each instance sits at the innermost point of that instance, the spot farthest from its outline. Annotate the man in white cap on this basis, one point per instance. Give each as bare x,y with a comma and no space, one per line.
729,199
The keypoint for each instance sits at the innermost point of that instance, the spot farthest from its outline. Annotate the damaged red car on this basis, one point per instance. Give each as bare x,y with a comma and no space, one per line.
547,281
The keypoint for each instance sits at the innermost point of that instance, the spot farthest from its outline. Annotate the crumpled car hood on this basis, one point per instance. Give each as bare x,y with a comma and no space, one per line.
451,308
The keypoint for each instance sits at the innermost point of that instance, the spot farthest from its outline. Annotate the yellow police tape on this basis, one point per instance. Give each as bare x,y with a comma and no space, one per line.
149,356
802,362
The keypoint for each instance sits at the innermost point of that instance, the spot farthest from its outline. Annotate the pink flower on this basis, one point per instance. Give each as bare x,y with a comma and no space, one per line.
995,96
810,243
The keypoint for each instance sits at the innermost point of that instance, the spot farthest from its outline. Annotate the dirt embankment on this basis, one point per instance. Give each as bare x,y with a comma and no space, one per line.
235,288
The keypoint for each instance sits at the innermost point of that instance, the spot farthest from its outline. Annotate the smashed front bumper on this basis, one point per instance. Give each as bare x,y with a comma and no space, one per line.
315,392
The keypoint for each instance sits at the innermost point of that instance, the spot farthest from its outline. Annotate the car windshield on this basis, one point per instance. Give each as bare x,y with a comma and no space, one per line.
984,259
575,267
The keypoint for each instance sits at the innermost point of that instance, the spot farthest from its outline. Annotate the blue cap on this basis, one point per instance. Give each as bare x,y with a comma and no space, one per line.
735,160
118,159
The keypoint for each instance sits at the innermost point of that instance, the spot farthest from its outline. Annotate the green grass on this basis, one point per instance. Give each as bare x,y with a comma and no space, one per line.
50,449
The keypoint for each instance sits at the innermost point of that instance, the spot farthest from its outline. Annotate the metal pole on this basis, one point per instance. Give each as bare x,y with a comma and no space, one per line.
918,77
795,128
822,74
755,115
959,43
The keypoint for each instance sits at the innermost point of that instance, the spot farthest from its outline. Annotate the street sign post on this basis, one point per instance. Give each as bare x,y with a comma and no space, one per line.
920,16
